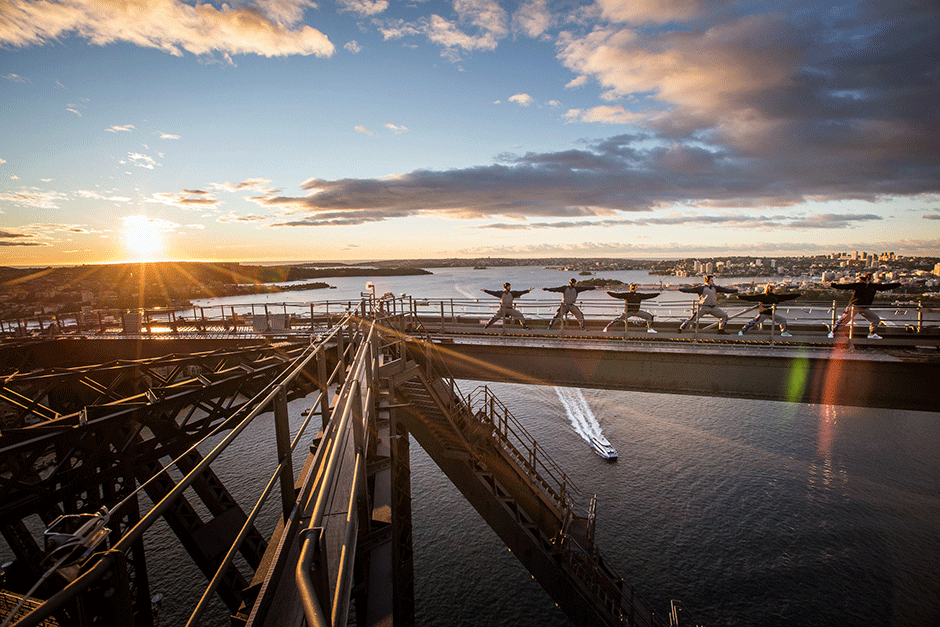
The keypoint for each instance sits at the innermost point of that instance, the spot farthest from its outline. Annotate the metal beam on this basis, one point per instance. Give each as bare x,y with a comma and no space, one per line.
861,378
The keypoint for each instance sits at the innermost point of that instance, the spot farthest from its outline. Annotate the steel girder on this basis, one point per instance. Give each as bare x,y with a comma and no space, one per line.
74,439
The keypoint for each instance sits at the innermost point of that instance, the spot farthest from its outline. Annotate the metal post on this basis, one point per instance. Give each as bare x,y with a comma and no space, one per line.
282,435
773,316
920,316
442,316
851,322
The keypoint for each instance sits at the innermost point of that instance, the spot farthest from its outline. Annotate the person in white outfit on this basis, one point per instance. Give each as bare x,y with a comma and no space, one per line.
569,295
708,302
506,309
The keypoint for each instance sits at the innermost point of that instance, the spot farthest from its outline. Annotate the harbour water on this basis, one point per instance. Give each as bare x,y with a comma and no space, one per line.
750,513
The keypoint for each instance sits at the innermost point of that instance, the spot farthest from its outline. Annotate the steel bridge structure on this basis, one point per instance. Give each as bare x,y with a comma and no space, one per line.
104,434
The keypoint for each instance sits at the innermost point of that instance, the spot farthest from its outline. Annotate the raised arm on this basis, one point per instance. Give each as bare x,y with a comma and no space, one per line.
493,293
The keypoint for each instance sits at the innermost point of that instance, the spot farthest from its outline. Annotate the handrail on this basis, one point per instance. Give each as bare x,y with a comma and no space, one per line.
343,419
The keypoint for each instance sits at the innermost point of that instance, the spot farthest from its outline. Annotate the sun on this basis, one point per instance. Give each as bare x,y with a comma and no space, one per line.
143,237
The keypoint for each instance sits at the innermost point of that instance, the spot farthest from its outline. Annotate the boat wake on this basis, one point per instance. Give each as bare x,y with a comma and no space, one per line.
465,293
579,413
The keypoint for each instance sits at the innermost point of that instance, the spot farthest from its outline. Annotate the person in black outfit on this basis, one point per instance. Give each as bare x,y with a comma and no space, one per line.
506,309
632,309
863,295
767,302
569,294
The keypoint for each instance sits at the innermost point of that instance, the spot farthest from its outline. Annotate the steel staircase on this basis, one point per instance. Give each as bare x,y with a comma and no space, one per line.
523,495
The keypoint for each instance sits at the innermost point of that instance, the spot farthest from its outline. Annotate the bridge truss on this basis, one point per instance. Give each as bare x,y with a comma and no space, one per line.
93,454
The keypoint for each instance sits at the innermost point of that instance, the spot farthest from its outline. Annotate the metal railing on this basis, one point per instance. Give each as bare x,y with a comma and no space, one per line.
291,318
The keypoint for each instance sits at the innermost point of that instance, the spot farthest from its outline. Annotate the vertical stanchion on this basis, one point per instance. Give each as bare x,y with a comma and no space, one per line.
851,322
773,321
322,380
282,436
442,316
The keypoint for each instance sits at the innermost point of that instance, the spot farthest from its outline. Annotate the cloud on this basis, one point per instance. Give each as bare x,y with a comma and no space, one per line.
168,136
365,8
233,218
626,173
127,128
521,99
16,238
267,29
34,198
479,25
75,111
835,107
645,11
363,130
533,18
932,216
141,161
189,199
606,114
353,46
260,184
97,196
398,130
16,78
2,161
739,220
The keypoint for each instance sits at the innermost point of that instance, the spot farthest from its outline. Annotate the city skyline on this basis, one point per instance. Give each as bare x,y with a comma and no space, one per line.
288,130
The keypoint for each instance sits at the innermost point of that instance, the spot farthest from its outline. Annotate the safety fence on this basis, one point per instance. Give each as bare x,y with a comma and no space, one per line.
293,318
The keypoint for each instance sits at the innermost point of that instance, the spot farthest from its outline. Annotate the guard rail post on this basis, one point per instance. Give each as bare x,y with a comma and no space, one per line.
282,436
773,322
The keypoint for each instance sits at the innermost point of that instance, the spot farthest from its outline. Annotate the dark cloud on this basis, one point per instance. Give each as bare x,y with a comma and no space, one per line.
12,238
932,216
815,221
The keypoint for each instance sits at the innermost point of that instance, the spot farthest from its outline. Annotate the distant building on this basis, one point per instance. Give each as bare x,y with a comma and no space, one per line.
936,269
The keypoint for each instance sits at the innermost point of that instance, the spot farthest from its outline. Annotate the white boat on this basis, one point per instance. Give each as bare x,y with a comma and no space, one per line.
603,448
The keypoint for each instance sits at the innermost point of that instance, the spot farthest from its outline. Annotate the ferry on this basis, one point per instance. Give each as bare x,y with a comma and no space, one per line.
603,448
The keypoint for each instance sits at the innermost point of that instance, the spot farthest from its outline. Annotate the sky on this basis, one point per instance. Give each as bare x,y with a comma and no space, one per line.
293,130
